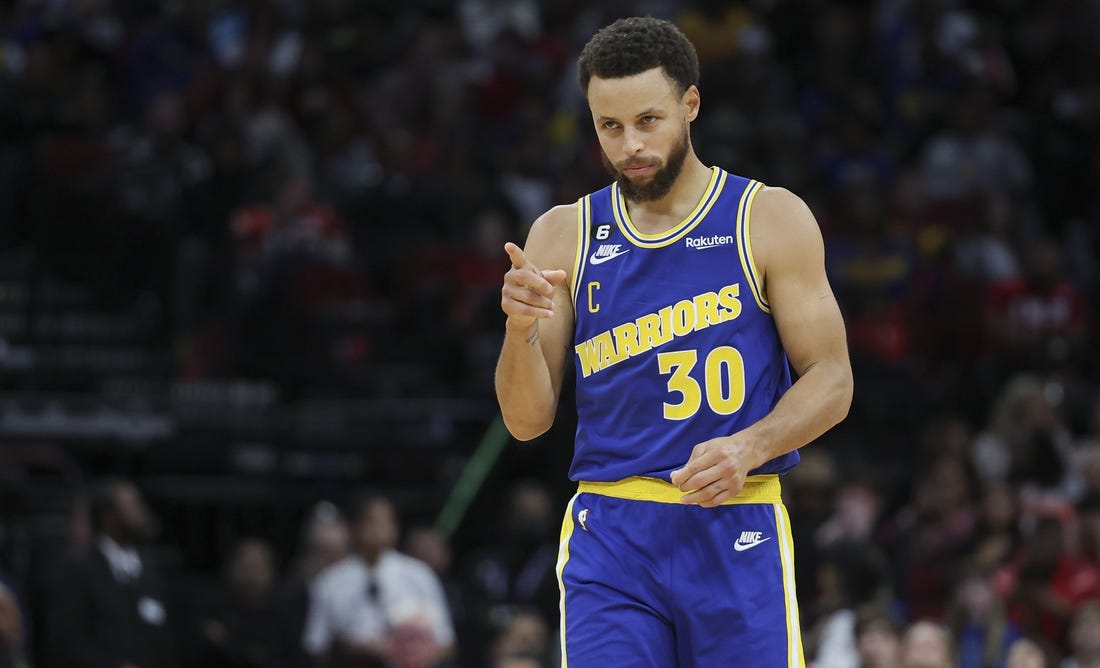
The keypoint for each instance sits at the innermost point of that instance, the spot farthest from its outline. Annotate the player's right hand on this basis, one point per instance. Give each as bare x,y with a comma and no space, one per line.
528,292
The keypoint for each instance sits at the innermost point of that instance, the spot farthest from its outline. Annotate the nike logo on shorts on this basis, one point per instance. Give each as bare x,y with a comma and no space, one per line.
749,540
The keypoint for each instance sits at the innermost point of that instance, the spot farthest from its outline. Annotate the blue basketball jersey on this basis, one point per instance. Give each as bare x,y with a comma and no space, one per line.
674,341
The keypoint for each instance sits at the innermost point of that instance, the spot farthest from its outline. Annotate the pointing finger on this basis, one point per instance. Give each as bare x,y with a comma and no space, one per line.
515,254
530,280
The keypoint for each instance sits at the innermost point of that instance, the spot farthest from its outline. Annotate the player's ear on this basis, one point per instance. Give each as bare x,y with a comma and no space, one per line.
691,102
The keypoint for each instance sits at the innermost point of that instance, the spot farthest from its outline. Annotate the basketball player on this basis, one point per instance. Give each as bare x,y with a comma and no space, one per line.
683,295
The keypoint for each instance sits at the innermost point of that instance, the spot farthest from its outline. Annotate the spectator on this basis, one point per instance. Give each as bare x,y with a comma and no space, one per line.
1026,653
1027,582
353,602
1084,638
482,21
325,542
858,510
432,546
108,606
1025,440
997,533
518,567
935,529
851,577
810,493
78,536
513,661
927,645
244,625
986,253
974,155
292,258
977,619
1088,467
410,641
876,637
717,31
1076,579
1036,321
874,269
523,634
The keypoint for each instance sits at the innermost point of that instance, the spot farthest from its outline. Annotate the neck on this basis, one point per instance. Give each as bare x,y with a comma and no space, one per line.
682,198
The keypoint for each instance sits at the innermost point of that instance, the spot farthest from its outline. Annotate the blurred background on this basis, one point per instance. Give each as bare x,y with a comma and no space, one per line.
250,260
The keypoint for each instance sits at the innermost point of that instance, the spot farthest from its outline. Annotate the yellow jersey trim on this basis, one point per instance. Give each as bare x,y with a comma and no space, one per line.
744,245
795,657
567,527
583,214
763,488
678,231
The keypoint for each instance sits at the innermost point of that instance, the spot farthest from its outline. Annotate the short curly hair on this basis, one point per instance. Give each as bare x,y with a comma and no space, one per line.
634,45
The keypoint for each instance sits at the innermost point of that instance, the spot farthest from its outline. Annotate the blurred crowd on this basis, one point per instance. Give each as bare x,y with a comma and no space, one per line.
300,190
358,592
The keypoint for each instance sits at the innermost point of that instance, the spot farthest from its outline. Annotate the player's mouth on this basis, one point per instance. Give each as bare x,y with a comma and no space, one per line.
638,170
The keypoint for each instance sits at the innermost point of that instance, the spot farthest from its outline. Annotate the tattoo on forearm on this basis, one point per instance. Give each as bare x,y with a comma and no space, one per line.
533,338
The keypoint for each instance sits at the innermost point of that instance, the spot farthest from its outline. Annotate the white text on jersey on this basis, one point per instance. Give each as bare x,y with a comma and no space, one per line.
607,252
708,242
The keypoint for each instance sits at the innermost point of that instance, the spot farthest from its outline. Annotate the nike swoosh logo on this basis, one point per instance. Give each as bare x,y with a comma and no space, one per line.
600,259
741,547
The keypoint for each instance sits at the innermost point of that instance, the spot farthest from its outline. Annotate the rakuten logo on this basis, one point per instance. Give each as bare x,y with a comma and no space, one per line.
708,242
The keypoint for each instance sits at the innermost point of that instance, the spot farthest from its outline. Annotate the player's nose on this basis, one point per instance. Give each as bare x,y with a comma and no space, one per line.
632,142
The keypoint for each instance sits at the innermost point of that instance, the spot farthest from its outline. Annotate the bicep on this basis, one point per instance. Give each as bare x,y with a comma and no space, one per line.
803,306
808,320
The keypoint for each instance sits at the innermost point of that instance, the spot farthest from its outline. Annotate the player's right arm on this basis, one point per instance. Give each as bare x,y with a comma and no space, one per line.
537,299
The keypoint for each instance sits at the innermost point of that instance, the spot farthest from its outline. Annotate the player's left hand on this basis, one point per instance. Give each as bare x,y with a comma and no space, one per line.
715,472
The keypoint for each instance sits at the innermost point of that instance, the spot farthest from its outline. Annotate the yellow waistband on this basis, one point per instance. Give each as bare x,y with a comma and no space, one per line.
758,489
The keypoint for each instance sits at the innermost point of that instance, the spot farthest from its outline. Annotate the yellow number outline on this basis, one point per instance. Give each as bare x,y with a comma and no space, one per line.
679,364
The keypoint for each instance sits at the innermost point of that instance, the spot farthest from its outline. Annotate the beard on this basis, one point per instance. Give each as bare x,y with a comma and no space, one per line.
659,184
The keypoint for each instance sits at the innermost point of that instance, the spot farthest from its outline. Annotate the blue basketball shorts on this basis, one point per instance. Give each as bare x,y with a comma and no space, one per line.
648,582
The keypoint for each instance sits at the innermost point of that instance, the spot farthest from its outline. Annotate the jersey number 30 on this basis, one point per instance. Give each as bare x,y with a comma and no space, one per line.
723,380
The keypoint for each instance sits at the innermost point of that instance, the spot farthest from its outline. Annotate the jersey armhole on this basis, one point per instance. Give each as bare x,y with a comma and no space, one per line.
584,214
744,245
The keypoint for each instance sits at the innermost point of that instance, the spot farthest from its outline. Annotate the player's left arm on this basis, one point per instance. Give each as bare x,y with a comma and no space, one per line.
789,252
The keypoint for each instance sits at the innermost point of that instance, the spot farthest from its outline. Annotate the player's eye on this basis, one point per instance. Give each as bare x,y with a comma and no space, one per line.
648,120
610,125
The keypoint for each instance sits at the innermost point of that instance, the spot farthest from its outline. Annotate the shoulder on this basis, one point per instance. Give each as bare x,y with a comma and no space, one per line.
552,240
783,229
559,223
558,215
782,211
